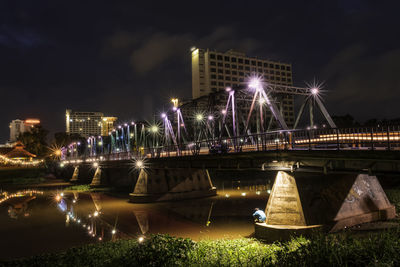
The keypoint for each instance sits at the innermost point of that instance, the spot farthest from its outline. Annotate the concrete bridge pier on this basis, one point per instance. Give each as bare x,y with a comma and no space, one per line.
75,175
96,180
172,184
300,203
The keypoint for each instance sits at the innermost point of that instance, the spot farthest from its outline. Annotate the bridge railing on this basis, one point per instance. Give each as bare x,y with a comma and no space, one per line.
363,138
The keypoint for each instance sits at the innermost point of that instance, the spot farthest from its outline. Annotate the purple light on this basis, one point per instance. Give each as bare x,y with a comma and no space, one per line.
79,143
119,126
163,115
314,91
125,124
223,111
255,83
174,108
210,117
132,123
228,89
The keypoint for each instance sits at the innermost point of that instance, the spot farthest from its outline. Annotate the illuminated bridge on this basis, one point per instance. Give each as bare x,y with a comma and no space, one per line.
318,168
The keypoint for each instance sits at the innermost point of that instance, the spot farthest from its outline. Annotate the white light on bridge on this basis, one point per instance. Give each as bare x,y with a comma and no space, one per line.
199,117
314,91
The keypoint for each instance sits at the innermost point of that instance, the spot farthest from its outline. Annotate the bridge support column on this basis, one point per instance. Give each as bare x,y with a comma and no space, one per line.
301,203
75,175
172,184
96,181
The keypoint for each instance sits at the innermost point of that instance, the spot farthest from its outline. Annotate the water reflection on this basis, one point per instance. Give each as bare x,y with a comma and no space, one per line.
57,220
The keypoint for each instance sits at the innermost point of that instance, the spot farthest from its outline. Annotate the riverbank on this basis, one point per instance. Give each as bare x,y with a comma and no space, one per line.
344,249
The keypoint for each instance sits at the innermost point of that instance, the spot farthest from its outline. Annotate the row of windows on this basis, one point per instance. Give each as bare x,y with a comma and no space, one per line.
235,79
241,73
249,62
241,67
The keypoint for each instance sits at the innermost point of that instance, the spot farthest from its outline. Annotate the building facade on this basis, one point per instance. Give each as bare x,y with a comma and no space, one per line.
213,71
107,125
18,127
86,123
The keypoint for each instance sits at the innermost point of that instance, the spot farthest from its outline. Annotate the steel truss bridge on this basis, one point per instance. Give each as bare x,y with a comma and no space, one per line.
227,130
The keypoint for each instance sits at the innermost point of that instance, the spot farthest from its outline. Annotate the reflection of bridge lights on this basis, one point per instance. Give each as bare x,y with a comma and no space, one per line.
58,198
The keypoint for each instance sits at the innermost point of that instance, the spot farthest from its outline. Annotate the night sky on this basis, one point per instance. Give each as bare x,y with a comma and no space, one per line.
128,59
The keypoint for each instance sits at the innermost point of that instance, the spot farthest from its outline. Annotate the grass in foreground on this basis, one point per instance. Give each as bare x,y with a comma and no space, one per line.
378,249
79,188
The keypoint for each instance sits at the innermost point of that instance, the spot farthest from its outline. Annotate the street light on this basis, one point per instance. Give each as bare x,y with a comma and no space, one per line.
199,117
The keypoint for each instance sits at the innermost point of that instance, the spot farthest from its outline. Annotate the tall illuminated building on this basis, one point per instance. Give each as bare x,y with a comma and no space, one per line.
87,123
18,127
107,125
213,71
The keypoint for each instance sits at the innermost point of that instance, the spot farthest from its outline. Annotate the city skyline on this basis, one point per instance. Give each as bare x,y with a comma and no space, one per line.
124,63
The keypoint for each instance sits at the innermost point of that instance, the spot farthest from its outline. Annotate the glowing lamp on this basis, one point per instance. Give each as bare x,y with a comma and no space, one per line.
314,91
141,239
113,231
210,117
223,111
163,115
255,83
96,213
140,164
199,117
95,164
154,129
228,89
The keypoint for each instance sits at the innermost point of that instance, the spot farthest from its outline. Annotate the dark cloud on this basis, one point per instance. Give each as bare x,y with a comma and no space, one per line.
364,84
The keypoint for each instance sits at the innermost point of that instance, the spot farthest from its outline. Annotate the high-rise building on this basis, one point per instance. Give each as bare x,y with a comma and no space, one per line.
107,125
18,127
213,71
87,123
